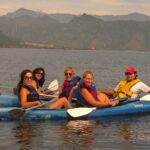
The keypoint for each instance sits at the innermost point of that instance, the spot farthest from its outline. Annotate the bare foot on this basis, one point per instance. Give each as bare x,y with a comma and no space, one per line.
114,103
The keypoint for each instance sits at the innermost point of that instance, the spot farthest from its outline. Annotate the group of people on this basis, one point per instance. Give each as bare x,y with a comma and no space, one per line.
81,90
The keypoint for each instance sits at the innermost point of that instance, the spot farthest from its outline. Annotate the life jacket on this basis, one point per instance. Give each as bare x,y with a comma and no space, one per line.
33,96
37,83
68,85
124,89
90,88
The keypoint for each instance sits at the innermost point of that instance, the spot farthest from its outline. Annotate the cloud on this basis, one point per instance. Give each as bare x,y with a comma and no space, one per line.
135,1
99,7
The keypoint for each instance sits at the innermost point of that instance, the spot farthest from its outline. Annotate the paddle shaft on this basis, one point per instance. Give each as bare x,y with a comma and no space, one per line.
18,113
53,100
48,95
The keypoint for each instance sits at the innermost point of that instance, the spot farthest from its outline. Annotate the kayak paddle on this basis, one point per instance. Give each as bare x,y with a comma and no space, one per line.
145,98
78,112
53,86
19,112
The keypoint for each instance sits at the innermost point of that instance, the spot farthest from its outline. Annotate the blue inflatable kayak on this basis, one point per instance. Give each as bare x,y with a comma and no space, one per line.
12,103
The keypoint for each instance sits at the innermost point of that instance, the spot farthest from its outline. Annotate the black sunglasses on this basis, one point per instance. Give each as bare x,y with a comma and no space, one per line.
40,73
128,73
28,78
70,74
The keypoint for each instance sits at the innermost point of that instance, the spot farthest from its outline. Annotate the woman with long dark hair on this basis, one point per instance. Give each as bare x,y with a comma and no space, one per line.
39,76
29,94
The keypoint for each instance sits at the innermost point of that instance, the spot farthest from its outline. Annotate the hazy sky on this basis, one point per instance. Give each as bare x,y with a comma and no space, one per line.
99,7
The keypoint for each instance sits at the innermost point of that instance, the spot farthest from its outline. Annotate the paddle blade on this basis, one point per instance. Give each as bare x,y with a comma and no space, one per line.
17,113
78,112
53,86
145,98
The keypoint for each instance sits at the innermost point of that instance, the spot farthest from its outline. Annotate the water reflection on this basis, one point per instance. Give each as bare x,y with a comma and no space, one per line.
58,135
27,135
79,133
126,132
74,134
82,134
24,133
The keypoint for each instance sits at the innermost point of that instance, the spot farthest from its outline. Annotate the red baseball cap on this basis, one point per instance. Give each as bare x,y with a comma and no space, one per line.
130,70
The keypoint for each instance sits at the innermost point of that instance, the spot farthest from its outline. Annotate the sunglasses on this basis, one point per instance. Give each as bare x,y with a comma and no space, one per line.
28,78
68,74
40,73
128,73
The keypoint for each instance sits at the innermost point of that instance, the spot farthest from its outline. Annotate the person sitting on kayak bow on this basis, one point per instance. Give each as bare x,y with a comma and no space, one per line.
130,87
29,95
87,94
69,83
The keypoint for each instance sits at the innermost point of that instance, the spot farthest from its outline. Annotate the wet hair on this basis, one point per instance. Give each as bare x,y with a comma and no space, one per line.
87,72
69,68
22,75
42,80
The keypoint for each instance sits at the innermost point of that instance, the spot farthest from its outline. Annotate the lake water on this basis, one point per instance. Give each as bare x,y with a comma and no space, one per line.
124,133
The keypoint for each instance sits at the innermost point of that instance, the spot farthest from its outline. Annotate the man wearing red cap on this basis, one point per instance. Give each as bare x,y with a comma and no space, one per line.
130,87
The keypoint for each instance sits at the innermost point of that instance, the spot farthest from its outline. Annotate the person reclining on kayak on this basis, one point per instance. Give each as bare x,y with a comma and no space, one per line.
128,88
29,95
70,81
87,95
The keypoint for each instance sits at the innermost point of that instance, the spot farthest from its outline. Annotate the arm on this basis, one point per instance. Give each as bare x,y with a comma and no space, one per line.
110,92
140,87
107,92
34,84
145,88
60,90
89,98
73,90
23,98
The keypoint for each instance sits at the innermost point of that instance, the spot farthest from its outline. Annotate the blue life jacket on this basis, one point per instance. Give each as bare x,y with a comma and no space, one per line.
79,96
37,83
33,96
68,85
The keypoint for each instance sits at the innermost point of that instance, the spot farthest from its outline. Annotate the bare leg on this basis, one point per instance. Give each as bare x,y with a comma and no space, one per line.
60,103
105,100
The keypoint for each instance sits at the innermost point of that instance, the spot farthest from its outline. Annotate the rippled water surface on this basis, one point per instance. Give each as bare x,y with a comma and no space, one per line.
125,133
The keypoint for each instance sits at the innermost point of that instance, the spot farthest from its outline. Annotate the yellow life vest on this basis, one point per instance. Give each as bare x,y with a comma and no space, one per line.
124,88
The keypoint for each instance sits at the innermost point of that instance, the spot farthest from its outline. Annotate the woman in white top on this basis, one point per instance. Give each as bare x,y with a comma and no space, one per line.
130,87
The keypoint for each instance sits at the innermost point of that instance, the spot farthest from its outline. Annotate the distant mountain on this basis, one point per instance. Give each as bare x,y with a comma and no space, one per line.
81,32
24,12
63,18
132,16
88,32
9,42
